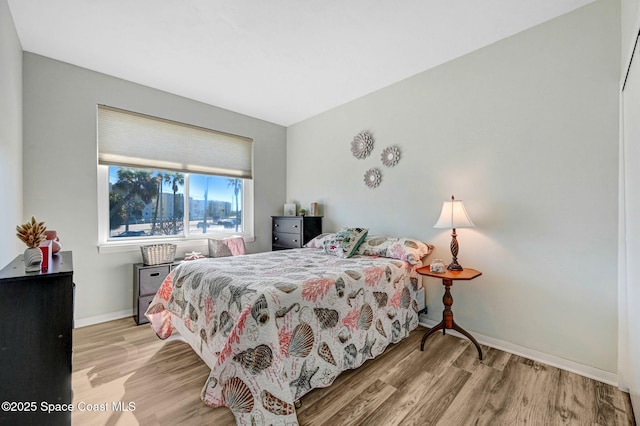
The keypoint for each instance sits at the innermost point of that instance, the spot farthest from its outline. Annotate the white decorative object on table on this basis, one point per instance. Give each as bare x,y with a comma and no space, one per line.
290,209
194,255
362,145
437,266
32,259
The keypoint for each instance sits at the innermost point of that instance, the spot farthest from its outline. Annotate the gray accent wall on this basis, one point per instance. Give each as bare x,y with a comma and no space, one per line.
525,131
60,177
10,137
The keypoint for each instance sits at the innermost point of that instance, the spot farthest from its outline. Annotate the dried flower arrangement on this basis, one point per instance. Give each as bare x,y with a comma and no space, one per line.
31,233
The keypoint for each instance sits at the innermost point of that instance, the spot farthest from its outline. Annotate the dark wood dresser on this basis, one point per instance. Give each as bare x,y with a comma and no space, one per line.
294,231
35,342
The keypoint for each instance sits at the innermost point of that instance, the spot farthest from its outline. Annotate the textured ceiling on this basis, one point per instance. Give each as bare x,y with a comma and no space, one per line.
281,60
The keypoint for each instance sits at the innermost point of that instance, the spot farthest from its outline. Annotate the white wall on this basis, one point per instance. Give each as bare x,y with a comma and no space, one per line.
629,289
525,131
629,270
630,17
60,161
10,137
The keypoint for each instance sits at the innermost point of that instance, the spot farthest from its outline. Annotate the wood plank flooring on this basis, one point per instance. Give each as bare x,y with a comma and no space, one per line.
118,361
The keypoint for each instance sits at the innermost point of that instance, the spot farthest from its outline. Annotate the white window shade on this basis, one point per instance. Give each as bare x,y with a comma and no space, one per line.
129,139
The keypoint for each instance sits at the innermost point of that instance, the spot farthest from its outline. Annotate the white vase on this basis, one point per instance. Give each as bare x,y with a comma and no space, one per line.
32,259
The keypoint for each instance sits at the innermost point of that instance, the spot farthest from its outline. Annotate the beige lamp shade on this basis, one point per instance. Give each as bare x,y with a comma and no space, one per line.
453,215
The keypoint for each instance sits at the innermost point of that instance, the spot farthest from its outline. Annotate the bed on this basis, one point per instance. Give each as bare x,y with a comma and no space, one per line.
272,326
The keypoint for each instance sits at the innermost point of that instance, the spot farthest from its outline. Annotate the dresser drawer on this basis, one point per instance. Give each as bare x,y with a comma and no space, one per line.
285,240
294,231
286,225
151,278
143,304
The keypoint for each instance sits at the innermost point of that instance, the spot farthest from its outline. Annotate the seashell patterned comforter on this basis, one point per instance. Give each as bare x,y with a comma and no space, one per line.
275,325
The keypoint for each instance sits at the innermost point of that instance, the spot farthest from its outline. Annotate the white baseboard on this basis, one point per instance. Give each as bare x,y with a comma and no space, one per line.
83,322
554,361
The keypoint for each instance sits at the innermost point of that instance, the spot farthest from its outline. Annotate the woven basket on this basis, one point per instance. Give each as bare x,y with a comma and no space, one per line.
155,254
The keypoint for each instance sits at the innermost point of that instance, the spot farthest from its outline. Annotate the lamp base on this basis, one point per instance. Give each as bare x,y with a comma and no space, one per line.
454,266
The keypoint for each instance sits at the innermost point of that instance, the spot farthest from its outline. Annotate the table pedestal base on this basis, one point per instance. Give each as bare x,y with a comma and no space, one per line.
447,322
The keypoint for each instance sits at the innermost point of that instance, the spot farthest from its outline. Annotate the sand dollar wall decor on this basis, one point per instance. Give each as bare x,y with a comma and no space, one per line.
390,156
372,178
362,145
361,148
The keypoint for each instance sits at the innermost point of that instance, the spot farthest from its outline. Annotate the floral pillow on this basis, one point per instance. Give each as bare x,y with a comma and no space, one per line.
394,247
217,248
318,242
345,242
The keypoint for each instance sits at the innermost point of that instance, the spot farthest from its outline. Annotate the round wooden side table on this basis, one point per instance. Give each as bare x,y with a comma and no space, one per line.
447,323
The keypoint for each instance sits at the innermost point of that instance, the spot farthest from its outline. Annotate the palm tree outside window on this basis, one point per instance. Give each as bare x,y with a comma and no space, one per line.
152,203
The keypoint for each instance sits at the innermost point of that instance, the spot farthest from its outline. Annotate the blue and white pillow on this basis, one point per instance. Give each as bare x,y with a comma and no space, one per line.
345,242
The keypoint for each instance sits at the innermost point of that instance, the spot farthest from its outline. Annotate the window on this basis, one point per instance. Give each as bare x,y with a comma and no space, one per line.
151,203
163,180
215,204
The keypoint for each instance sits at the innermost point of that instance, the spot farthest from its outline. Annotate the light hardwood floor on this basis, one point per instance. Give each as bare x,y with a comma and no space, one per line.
118,361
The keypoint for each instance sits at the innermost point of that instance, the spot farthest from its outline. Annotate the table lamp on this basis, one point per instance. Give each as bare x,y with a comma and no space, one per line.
452,216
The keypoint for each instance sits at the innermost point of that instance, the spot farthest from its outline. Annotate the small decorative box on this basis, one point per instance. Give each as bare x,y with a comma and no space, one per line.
438,266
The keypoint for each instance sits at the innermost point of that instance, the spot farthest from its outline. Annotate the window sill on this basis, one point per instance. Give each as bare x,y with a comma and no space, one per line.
188,244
